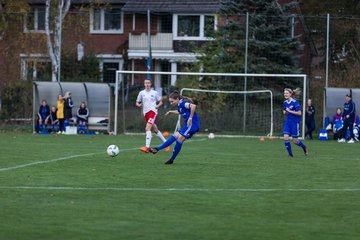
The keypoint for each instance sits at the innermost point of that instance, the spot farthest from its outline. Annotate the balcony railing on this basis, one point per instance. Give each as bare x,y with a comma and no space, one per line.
159,41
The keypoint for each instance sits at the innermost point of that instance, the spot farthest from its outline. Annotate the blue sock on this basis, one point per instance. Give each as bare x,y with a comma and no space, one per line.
288,147
300,144
176,151
167,143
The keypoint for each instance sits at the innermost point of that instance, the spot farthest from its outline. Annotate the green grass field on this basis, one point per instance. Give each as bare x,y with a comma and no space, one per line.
66,187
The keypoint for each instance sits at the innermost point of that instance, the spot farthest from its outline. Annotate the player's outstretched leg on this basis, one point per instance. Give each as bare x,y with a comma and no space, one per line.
176,151
164,145
161,137
288,148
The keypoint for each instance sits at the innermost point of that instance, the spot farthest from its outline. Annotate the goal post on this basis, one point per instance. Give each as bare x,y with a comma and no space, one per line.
259,87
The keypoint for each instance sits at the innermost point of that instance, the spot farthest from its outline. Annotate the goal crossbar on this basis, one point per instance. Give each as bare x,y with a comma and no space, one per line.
213,74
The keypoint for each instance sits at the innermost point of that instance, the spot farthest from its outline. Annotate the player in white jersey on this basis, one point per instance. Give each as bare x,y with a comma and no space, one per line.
149,100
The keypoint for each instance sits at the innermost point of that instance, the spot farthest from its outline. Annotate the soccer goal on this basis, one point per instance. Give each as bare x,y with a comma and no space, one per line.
228,104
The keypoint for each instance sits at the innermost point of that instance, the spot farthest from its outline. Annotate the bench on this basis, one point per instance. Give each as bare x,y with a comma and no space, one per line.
98,123
94,123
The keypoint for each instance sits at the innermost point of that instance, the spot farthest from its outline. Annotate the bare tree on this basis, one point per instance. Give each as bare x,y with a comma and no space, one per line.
54,45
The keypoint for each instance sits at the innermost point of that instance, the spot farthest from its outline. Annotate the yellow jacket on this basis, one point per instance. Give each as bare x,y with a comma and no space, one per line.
60,109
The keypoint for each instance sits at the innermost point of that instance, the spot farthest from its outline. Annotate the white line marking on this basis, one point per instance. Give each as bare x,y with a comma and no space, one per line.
58,159
70,157
183,189
46,161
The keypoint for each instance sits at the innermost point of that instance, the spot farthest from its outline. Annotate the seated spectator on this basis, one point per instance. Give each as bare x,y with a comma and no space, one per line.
82,117
338,124
43,116
355,129
53,120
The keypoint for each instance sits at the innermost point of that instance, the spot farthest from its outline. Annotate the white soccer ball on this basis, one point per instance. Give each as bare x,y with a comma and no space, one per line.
113,150
211,136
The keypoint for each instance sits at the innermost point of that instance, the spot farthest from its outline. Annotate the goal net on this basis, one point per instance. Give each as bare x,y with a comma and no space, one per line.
222,112
228,104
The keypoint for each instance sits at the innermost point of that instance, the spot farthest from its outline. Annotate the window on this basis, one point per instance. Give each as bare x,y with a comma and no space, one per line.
109,64
193,27
209,26
35,68
165,23
35,21
109,71
108,21
188,26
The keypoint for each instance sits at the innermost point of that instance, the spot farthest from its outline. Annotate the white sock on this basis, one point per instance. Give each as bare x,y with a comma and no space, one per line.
160,136
148,138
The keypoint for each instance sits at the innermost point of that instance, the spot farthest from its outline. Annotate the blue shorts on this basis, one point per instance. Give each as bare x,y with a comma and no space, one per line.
188,132
292,129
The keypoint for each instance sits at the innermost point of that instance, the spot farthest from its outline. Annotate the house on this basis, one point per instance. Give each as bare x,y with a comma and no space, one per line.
116,32
100,29
175,27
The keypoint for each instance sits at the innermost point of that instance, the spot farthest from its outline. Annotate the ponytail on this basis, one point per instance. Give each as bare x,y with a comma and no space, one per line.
293,92
176,95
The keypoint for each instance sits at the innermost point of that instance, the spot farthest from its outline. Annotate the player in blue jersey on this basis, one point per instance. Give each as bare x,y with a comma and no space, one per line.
186,108
292,110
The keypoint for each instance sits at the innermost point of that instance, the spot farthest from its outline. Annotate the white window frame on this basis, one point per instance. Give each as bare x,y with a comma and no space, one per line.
35,57
36,21
202,36
109,58
102,23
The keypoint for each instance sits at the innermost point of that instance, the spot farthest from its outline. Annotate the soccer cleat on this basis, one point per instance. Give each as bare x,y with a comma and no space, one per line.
351,141
153,150
169,162
144,149
290,155
306,151
167,149
341,140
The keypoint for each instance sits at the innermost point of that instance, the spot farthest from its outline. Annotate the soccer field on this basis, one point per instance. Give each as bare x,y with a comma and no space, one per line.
66,187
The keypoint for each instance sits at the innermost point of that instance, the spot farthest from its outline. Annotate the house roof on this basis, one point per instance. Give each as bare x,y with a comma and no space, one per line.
172,6
159,6
82,1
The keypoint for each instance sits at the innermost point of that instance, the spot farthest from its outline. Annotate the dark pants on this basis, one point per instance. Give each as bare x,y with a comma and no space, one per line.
310,125
348,123
339,134
61,124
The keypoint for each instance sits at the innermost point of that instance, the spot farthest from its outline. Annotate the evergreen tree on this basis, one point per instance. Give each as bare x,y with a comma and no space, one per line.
271,47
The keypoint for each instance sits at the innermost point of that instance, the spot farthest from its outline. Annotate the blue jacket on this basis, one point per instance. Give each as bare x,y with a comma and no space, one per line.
349,109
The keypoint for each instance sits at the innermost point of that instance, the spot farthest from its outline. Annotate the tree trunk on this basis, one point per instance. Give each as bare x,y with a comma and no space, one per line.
54,45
